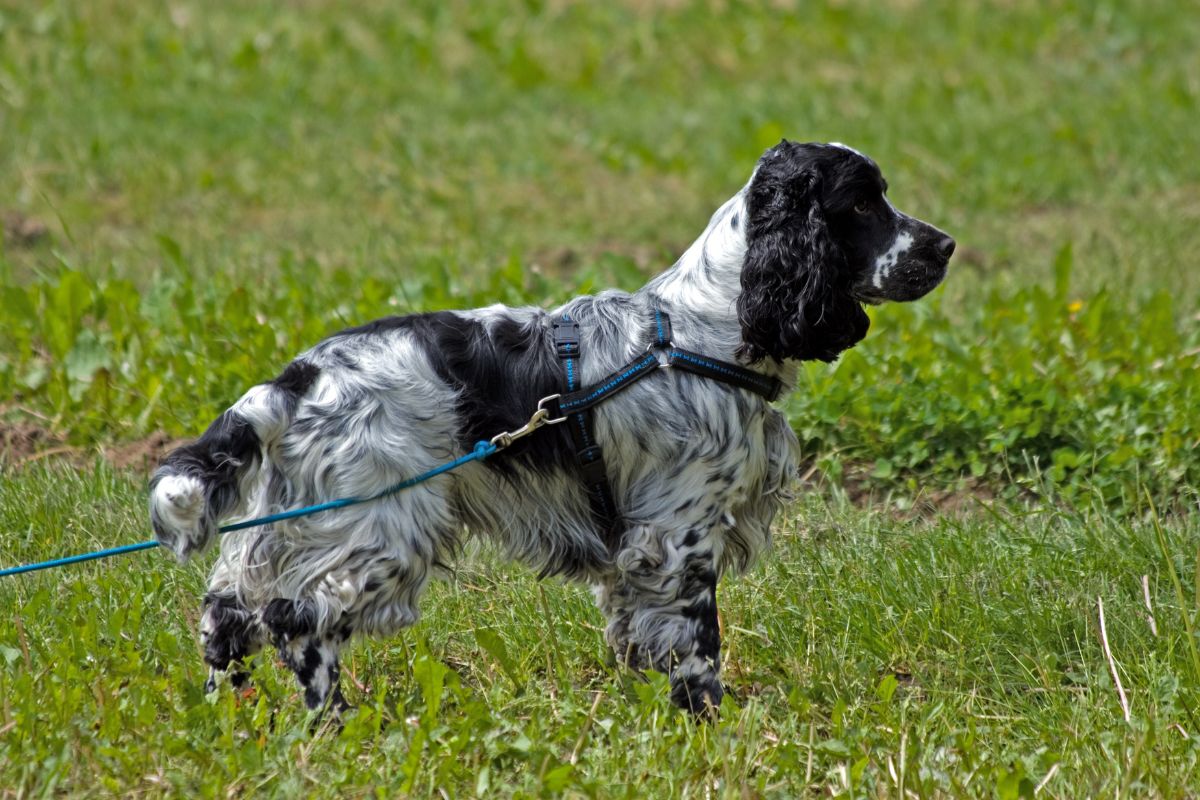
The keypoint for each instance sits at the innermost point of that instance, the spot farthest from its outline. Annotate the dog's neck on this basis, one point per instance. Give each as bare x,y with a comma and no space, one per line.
705,284
707,279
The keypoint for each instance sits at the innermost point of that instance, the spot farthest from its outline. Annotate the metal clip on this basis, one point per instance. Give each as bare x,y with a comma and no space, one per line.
661,353
540,418
541,406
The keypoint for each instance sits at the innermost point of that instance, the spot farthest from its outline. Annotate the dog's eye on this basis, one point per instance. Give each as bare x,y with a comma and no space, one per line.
862,207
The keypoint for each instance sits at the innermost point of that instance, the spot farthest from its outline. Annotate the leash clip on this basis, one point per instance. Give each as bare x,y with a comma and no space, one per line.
540,418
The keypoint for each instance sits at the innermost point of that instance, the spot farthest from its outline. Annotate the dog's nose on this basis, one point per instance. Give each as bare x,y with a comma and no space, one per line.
945,247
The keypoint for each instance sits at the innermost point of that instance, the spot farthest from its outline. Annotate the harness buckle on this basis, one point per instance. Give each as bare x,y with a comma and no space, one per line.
566,338
591,465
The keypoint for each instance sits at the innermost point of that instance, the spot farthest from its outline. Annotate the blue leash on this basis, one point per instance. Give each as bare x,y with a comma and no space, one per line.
551,410
482,450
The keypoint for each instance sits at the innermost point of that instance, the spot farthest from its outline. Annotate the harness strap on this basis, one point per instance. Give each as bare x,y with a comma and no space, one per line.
725,371
588,453
575,404
609,386
734,374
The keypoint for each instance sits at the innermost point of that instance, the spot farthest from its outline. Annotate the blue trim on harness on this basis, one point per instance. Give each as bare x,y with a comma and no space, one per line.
588,454
613,385
718,367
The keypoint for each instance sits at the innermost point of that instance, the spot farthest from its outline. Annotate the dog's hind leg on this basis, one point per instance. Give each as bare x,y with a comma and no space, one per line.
378,597
662,611
229,632
312,656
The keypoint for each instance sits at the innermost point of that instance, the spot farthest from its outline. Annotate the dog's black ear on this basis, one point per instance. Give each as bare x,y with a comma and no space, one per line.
795,300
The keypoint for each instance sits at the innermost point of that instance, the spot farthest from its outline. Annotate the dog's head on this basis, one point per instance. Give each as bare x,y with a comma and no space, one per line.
821,240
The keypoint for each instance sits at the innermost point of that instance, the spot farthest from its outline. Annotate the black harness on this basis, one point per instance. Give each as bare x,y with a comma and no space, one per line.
574,406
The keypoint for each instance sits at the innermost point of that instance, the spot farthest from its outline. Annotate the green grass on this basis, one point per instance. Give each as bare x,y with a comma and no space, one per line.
223,184
384,137
961,653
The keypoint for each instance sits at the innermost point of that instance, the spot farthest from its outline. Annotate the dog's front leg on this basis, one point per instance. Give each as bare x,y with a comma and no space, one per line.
662,611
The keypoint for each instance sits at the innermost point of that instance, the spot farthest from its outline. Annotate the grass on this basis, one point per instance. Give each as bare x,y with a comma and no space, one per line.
192,193
959,656
378,139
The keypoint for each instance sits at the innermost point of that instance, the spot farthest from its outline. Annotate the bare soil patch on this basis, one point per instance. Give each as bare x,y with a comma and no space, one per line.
23,444
144,454
22,230
25,441
863,492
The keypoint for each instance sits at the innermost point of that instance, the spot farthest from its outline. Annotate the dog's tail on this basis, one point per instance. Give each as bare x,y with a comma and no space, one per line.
202,482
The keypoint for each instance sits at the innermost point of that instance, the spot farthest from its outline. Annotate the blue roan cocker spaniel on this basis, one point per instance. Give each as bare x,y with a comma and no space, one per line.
695,467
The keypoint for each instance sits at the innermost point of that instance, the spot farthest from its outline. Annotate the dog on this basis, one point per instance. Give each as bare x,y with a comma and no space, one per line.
697,468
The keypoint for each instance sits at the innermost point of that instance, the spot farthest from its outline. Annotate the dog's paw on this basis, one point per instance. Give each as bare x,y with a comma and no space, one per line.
698,692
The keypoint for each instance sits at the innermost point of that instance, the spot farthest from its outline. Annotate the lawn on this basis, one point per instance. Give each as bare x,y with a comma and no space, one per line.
192,193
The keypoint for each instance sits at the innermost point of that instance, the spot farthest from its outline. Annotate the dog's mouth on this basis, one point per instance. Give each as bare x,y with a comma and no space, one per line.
918,279
868,298
911,279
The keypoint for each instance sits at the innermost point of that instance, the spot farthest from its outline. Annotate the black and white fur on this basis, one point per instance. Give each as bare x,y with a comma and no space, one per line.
698,468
